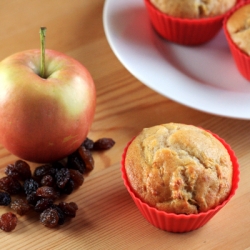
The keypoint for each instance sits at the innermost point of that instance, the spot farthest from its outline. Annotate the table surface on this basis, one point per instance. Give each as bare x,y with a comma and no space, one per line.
107,217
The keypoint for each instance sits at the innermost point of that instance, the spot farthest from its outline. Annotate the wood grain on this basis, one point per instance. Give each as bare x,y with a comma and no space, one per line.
107,217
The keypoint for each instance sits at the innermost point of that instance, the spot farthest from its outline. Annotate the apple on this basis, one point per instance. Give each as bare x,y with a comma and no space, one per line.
44,119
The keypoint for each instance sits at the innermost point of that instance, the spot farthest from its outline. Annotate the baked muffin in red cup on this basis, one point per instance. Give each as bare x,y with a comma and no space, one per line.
236,26
179,176
188,22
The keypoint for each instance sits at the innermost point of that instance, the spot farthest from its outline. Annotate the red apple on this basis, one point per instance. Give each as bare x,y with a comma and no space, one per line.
44,119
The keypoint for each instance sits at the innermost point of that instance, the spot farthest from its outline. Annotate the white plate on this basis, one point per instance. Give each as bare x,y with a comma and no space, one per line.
203,77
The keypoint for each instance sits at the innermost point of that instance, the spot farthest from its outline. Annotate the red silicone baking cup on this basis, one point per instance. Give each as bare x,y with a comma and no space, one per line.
180,223
184,31
241,59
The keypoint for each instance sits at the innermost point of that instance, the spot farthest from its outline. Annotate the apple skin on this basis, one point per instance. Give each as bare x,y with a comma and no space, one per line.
44,119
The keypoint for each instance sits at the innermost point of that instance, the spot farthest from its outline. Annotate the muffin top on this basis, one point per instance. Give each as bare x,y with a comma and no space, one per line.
193,8
238,26
179,168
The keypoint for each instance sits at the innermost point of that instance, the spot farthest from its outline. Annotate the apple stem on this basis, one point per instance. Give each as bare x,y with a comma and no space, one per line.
42,40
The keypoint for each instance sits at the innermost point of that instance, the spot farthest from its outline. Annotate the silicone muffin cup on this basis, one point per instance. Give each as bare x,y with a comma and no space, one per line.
180,223
181,30
241,59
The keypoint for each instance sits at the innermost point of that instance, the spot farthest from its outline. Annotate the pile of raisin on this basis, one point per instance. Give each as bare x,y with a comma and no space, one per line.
49,182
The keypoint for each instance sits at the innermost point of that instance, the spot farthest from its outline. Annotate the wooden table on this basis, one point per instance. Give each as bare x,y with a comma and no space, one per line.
107,217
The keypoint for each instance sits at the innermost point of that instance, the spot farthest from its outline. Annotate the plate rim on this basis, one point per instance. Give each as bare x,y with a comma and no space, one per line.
109,5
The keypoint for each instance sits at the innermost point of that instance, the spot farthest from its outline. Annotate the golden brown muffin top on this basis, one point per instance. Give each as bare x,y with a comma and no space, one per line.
238,26
179,168
193,8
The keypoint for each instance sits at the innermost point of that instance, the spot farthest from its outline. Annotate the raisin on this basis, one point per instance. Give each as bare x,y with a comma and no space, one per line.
87,157
62,176
47,192
10,185
20,206
49,217
30,185
69,209
60,214
47,180
43,204
5,199
43,170
20,170
57,165
75,162
77,177
103,144
8,222
68,188
88,143
32,199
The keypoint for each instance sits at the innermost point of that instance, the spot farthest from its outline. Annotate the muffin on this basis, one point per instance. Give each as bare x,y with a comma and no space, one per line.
238,26
192,8
179,175
188,22
237,29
